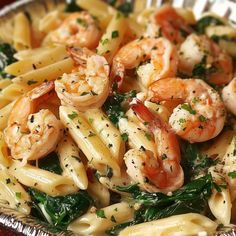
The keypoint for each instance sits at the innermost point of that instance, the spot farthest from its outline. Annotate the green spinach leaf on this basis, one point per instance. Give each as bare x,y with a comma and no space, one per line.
206,21
51,163
62,209
6,58
71,6
190,198
115,105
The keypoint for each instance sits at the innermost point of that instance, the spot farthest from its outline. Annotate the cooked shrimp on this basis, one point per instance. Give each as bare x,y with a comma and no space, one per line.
159,54
167,22
229,96
163,173
88,84
30,135
201,114
215,64
79,30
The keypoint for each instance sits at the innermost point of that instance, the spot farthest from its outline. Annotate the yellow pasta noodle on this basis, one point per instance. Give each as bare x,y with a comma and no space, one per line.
111,40
184,225
71,162
109,134
5,160
99,193
88,141
22,32
92,224
41,59
12,194
47,73
4,114
42,180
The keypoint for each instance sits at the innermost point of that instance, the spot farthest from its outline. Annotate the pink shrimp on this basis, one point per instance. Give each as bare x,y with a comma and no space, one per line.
163,173
79,30
172,25
30,135
159,53
200,116
200,50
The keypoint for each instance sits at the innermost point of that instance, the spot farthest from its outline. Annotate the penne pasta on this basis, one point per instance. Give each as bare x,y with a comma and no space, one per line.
11,93
108,133
5,160
12,194
40,60
22,32
47,73
184,225
42,180
220,201
89,142
4,114
112,38
99,193
71,162
91,223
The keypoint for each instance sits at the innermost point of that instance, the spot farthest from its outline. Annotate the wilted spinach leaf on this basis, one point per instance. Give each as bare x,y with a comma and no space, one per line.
193,162
201,71
6,58
62,209
206,21
190,198
114,105
51,163
71,6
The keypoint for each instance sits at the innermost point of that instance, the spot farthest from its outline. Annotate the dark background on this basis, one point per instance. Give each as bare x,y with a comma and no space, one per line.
5,2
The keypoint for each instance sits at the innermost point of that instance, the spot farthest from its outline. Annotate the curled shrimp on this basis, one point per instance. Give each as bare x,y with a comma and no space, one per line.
30,135
167,22
229,96
200,51
200,116
88,84
164,172
79,30
158,53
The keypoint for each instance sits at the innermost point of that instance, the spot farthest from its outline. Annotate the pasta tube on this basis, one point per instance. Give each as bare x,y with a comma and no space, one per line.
71,163
112,38
43,180
108,133
88,141
184,225
12,194
92,223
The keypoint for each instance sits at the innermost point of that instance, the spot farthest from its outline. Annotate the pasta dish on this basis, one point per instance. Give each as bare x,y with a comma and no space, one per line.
119,120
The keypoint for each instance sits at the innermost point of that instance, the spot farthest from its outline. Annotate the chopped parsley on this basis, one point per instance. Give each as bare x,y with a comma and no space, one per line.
232,174
104,41
82,22
100,213
73,115
202,118
125,137
115,34
90,120
18,195
148,136
188,108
